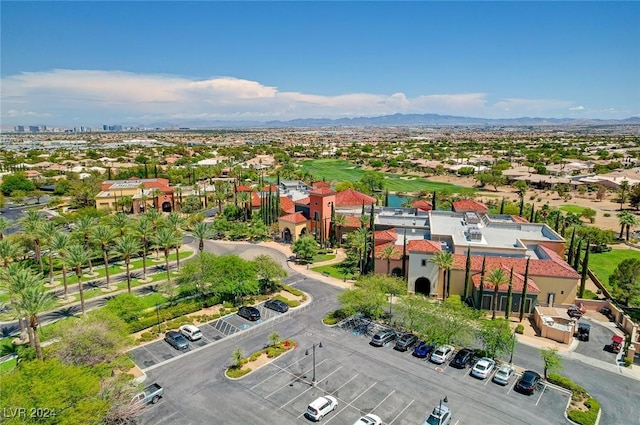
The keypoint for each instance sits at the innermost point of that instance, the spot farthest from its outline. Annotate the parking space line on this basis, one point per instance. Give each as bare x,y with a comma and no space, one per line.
283,386
340,387
398,415
282,369
152,354
540,397
350,404
383,400
310,386
512,386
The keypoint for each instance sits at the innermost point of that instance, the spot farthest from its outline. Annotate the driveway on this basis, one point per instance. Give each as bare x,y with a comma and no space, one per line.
598,344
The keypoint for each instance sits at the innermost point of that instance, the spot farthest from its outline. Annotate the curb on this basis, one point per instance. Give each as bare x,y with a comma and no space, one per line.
295,347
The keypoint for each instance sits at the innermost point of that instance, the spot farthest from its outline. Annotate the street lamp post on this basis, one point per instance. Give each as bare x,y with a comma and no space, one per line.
513,346
440,408
158,317
306,353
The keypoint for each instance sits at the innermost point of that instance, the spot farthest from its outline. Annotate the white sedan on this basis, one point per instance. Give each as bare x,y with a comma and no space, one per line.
442,354
483,368
369,419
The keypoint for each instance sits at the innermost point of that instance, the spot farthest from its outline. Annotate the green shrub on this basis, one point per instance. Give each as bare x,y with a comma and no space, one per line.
293,291
589,295
290,303
227,304
607,214
333,317
586,418
255,356
147,336
520,329
236,372
627,362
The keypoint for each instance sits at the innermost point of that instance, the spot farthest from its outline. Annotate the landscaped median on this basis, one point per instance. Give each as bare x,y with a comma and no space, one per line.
583,409
244,365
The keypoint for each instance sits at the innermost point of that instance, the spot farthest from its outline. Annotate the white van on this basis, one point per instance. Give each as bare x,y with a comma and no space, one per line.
320,407
191,332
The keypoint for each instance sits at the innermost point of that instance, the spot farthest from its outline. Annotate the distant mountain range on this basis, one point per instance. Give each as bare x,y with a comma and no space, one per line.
399,120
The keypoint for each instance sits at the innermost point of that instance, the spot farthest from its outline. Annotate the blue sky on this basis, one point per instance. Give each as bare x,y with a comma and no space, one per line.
70,63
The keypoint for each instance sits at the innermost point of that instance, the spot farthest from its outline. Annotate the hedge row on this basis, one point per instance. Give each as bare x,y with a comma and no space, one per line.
579,394
290,303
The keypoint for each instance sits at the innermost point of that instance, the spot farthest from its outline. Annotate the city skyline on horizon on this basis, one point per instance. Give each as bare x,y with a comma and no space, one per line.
94,63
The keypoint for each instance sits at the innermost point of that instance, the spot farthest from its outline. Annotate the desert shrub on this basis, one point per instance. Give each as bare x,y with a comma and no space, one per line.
520,329
237,372
293,291
333,317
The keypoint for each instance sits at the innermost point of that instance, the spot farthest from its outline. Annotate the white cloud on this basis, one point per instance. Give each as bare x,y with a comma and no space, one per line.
111,96
577,108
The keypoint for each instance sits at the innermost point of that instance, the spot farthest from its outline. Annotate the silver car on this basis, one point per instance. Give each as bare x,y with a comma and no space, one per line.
504,374
483,367
442,354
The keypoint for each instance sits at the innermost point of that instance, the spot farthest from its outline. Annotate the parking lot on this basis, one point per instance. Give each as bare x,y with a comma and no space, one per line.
598,345
157,352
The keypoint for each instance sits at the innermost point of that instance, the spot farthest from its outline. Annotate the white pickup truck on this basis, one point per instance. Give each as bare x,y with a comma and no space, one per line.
150,394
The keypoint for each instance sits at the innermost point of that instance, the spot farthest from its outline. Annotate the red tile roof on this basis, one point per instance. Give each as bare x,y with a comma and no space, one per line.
469,205
423,246
397,251
518,219
303,201
296,218
549,268
352,221
518,283
270,188
317,185
385,236
255,200
422,205
322,191
351,198
287,205
244,189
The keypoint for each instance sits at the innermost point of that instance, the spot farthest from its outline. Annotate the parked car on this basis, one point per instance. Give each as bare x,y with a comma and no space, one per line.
176,340
462,358
442,354
583,330
192,333
150,395
441,415
422,349
382,337
277,305
528,382
503,374
369,419
483,368
405,342
249,313
320,407
616,343
576,310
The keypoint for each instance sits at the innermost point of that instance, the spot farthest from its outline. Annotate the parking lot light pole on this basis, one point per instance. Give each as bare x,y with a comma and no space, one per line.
306,353
158,316
391,294
440,413
513,346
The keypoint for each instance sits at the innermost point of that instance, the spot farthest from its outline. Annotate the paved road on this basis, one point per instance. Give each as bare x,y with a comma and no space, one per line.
598,345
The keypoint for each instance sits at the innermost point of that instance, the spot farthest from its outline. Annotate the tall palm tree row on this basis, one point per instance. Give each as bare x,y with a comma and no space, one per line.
127,247
176,223
9,250
77,256
47,230
31,224
202,231
166,239
59,244
143,228
83,229
104,236
4,225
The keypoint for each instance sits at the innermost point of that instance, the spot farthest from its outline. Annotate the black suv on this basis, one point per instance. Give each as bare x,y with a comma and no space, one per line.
249,313
582,333
405,342
462,359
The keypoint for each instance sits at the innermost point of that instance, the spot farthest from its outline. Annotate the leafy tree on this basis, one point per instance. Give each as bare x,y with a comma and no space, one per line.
305,247
93,340
370,182
191,204
238,357
625,280
274,338
72,392
634,196
496,337
551,360
16,182
349,266
342,186
127,307
268,269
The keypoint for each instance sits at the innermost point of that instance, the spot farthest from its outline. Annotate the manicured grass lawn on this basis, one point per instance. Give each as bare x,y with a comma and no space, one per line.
575,209
605,263
341,170
7,366
323,257
151,300
332,270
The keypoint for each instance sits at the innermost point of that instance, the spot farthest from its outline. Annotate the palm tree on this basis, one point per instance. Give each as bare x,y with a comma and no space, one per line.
358,241
31,224
84,226
12,282
626,220
77,256
175,223
120,221
245,199
33,301
144,229
496,277
201,231
339,222
47,230
4,225
59,244
166,239
623,190
156,193
155,218
386,254
104,236
127,247
444,261
8,251
221,194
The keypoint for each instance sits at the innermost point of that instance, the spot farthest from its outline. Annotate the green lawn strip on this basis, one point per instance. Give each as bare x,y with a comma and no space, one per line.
323,257
341,170
605,263
119,267
575,209
332,270
8,365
